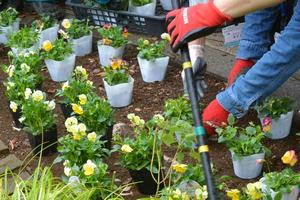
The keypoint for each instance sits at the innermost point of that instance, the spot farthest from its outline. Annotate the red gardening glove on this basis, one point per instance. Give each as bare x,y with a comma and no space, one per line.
213,116
240,67
197,21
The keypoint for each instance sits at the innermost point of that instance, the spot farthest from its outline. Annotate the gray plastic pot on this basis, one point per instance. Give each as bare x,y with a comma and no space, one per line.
5,31
106,53
166,4
247,167
61,70
153,70
83,46
18,51
147,10
286,196
281,127
49,34
119,95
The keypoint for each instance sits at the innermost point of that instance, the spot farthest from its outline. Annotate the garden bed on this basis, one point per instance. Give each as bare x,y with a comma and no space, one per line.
148,100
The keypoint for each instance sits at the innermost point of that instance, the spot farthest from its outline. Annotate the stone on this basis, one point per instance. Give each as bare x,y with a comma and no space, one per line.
11,181
11,162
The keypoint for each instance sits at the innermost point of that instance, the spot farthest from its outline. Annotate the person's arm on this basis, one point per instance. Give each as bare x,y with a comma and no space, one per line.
238,8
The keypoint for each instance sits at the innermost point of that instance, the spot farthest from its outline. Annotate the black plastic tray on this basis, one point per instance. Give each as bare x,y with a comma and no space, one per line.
148,25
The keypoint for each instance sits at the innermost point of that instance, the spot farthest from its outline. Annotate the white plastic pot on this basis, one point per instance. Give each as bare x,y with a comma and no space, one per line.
281,127
119,95
18,51
286,196
166,4
106,53
247,167
147,10
61,70
5,31
49,34
153,70
83,46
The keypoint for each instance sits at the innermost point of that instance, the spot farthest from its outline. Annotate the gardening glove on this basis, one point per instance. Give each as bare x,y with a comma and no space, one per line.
199,69
214,115
240,67
187,24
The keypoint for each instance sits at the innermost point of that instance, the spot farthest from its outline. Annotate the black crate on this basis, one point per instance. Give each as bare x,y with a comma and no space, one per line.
148,25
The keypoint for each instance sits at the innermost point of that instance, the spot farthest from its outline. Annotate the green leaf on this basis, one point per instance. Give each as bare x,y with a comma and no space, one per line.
231,119
168,139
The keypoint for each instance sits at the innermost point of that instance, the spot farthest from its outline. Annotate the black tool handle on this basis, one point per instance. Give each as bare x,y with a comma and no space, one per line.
197,116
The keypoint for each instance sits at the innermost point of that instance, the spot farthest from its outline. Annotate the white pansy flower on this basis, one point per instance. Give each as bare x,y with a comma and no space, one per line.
25,67
67,171
22,119
71,121
65,85
28,92
50,105
37,95
13,106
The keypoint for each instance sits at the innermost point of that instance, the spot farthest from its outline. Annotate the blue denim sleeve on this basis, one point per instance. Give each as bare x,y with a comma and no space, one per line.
257,33
269,73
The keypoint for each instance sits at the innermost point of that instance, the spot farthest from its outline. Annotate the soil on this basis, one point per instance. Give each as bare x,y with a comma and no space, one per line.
148,99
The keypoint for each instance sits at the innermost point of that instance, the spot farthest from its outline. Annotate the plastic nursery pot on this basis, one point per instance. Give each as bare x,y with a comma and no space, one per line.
106,53
247,167
108,137
18,51
82,46
166,4
61,70
49,141
293,195
49,34
119,95
5,31
281,127
16,116
66,110
147,184
153,70
147,10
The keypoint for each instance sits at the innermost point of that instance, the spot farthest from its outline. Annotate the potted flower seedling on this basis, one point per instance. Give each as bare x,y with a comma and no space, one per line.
276,115
245,147
72,89
39,122
138,158
48,28
19,78
9,23
142,7
166,4
251,192
113,43
59,59
283,185
152,60
24,40
96,114
80,35
118,83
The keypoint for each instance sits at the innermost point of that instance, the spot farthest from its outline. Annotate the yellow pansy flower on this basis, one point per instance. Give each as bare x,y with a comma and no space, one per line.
89,168
92,137
254,190
106,41
116,64
234,194
66,23
47,45
146,42
71,121
77,109
77,136
37,96
126,148
290,158
82,99
179,168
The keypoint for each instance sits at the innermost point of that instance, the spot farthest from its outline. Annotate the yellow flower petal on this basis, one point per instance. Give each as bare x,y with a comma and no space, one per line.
47,45
77,109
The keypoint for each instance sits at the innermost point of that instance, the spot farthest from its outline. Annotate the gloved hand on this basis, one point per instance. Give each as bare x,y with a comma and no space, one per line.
199,69
240,67
213,116
190,23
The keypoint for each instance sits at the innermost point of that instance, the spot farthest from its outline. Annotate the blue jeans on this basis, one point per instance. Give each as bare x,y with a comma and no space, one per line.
273,67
